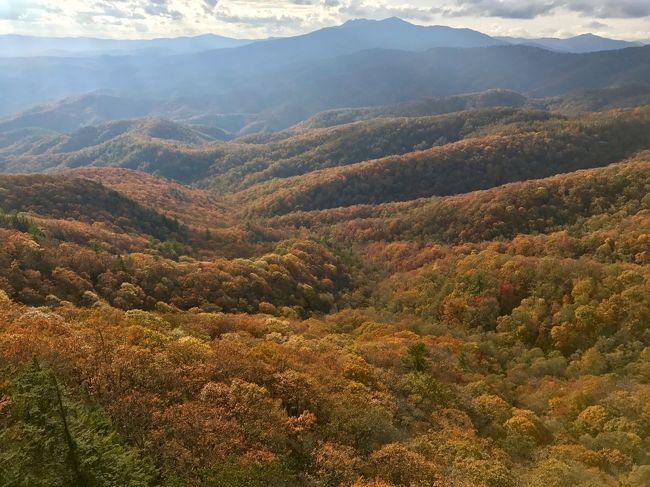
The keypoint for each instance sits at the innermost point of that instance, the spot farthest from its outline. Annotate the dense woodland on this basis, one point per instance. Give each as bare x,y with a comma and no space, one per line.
385,298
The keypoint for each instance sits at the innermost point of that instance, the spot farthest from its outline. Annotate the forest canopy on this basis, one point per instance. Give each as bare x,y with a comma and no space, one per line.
397,300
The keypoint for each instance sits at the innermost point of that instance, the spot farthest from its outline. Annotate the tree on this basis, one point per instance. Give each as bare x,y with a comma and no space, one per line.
396,464
251,473
51,440
129,296
592,420
416,357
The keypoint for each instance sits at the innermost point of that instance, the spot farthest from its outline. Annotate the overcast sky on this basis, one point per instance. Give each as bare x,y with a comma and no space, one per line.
624,19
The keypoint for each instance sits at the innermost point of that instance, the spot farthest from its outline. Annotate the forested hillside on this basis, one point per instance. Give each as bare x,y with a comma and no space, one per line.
529,207
511,153
270,330
185,153
579,101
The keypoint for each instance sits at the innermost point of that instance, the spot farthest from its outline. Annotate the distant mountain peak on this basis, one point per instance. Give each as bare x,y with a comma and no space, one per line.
395,20
387,21
592,37
355,22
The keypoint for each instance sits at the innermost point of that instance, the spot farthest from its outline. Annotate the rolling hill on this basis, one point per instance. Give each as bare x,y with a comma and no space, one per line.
530,151
150,142
419,108
60,197
575,102
538,206
181,152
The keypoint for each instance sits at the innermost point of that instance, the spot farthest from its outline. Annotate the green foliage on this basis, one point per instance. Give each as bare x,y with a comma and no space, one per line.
234,473
20,222
416,357
50,439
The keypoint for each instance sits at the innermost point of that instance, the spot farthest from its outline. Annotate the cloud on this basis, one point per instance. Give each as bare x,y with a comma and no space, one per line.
512,9
613,9
135,9
271,21
209,5
596,25
530,9
381,10
263,18
9,11
25,10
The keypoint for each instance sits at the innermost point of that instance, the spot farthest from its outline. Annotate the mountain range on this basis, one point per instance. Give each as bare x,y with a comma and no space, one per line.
275,83
210,89
578,44
358,34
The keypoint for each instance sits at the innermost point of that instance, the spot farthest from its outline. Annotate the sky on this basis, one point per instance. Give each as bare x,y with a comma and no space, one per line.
128,19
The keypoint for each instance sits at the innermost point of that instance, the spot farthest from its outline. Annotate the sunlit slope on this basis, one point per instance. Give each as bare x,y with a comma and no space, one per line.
528,207
75,198
515,153
184,153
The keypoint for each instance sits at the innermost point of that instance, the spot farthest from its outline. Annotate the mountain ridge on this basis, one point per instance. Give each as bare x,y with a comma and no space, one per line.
17,45
371,77
242,80
580,44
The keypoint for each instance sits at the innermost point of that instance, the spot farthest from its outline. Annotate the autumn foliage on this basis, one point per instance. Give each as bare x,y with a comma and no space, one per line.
153,334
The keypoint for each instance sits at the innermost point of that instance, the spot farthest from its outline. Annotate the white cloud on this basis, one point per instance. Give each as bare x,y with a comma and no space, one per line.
262,18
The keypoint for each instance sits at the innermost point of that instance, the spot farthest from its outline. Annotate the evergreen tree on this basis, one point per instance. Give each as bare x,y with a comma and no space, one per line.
416,357
49,439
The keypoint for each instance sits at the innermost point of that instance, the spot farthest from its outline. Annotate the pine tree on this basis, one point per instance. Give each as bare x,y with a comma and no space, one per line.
49,439
416,357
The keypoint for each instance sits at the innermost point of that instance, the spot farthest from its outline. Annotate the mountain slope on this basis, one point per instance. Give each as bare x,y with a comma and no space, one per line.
96,108
180,152
73,113
65,197
136,72
418,108
575,102
302,151
527,207
512,154
381,77
351,37
190,206
582,101
155,128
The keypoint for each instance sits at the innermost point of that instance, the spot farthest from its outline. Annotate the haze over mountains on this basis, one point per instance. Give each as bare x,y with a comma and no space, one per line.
257,78
31,46
360,34
578,44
